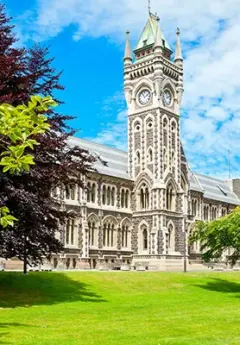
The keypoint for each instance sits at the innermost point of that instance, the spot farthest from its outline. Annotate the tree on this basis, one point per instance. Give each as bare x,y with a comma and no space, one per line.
219,235
18,125
28,195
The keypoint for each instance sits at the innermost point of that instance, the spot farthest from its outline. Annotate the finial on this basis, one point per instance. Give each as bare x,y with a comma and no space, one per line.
178,54
128,51
149,6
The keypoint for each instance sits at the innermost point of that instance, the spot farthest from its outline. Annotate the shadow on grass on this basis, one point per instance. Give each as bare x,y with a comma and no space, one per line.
4,326
18,290
222,285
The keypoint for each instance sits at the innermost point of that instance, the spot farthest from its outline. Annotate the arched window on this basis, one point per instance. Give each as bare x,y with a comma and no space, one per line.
104,234
171,198
70,231
205,213
138,158
67,191
137,127
113,196
170,239
149,124
164,158
104,195
144,197
150,156
194,207
165,133
145,239
72,191
91,227
124,236
108,195
173,128
93,194
88,192
122,197
108,234
126,198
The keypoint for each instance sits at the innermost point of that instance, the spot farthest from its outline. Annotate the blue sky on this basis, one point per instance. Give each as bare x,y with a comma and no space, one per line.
87,40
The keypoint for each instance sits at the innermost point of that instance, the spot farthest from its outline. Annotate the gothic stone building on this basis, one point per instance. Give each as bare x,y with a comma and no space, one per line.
137,211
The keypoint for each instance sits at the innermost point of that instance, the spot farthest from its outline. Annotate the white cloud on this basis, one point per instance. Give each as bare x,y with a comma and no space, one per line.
210,37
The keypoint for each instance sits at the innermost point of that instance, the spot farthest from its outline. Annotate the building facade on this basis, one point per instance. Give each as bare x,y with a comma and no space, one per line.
138,210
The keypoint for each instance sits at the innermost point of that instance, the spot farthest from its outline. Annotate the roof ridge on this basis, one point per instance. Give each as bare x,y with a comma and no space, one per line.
98,144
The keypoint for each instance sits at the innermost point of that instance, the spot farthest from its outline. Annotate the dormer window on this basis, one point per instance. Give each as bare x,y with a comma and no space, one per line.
144,43
163,42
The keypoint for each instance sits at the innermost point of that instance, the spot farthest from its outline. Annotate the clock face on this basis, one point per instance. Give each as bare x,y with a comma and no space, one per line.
167,97
144,97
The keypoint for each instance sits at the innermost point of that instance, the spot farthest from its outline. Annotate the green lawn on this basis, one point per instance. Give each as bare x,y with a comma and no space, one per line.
120,308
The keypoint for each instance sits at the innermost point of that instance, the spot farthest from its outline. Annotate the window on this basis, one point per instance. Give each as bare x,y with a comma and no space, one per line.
108,195
137,127
149,124
224,212
93,193
104,195
205,212
72,191
108,234
91,228
126,198
164,158
67,191
170,239
194,207
70,231
88,192
150,155
170,196
138,158
144,197
122,197
113,196
145,239
125,236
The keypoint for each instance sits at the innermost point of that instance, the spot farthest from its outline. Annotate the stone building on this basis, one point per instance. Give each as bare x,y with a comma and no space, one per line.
137,211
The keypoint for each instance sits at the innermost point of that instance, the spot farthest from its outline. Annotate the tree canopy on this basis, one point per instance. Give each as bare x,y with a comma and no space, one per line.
18,126
217,236
23,73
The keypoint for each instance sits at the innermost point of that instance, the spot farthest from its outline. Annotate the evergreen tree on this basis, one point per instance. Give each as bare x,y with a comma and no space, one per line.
24,73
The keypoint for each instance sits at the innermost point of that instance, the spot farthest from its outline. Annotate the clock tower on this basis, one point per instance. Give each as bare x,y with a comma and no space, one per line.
153,87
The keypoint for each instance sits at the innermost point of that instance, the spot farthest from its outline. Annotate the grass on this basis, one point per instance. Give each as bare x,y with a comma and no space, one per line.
120,308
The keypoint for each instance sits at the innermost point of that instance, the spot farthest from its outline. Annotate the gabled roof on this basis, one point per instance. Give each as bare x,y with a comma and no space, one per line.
117,161
213,188
148,36
117,166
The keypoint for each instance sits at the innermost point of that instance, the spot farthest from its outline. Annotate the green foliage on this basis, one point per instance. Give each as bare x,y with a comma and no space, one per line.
18,127
218,236
5,218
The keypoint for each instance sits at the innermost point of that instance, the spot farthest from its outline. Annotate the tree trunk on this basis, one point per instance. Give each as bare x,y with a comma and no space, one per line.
25,257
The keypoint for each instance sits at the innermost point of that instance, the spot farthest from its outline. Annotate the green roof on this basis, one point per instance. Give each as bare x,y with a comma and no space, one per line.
149,33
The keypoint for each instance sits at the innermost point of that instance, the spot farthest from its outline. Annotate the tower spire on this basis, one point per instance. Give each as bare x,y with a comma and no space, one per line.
128,50
178,54
158,40
149,6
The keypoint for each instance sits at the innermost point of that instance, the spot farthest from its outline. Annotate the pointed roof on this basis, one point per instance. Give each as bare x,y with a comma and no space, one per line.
178,53
148,36
128,51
